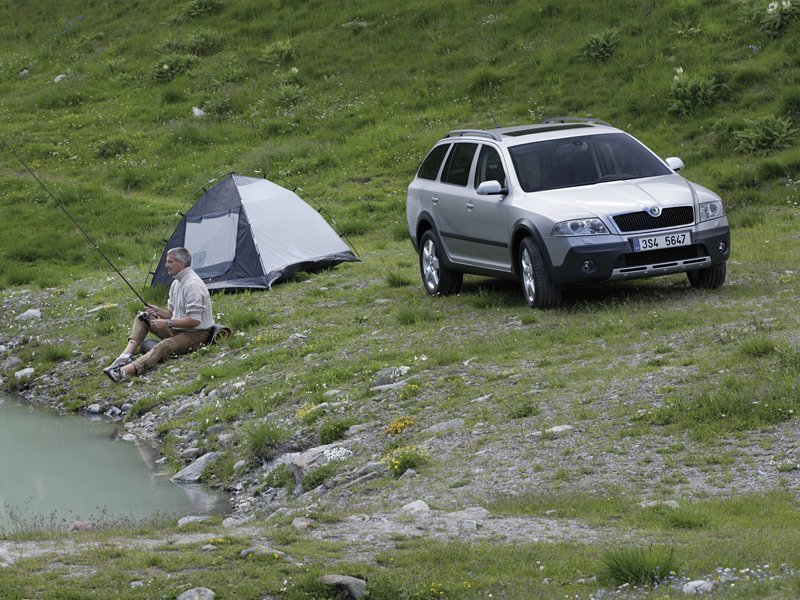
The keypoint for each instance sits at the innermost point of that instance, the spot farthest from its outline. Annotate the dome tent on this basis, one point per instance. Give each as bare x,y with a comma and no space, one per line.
248,233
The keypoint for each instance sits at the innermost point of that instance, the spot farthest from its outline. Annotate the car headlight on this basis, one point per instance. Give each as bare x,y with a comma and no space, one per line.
711,210
593,226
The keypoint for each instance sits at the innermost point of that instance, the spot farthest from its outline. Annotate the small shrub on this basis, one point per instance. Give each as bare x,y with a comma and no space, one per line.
396,279
112,148
204,43
777,17
399,460
262,439
317,477
281,477
763,136
639,566
195,9
523,409
54,353
757,347
687,517
692,93
334,430
172,65
398,425
485,82
790,105
599,47
279,53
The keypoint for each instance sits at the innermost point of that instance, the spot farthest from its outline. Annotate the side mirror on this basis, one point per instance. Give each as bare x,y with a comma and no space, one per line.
491,188
674,163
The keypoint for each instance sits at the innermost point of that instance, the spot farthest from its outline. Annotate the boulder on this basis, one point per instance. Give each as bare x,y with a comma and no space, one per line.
352,587
194,472
198,593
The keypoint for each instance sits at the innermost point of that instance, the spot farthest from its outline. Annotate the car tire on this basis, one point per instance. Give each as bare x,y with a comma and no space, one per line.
437,279
537,288
708,279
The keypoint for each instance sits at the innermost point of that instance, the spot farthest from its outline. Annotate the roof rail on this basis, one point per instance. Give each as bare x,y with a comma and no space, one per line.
574,120
478,132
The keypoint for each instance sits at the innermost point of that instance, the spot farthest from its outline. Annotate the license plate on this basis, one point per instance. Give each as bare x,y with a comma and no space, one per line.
659,242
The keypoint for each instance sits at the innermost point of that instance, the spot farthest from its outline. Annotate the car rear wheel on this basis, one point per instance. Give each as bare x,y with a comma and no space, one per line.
437,279
708,279
537,288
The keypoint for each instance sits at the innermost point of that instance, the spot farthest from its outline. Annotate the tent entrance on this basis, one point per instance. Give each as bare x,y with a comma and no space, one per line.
212,242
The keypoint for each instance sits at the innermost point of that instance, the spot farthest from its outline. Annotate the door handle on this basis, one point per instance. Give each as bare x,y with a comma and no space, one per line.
434,200
470,205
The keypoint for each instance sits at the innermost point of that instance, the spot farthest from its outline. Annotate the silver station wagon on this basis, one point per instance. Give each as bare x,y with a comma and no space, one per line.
563,203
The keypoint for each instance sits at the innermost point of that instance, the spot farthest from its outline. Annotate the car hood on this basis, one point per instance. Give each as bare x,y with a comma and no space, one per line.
615,197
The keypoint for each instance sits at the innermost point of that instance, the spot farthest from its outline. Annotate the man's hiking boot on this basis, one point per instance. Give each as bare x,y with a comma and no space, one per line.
115,373
120,361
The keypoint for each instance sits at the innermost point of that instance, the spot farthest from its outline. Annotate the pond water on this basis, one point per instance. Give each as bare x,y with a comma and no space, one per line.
57,468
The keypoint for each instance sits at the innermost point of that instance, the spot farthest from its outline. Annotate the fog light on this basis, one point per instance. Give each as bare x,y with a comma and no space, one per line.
588,266
723,247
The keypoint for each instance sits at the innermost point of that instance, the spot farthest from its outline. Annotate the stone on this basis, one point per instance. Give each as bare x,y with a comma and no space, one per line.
261,550
698,586
191,453
24,373
231,522
473,513
184,521
94,409
198,593
137,584
126,407
658,503
416,506
302,523
81,526
194,472
450,425
128,437
352,587
10,363
31,313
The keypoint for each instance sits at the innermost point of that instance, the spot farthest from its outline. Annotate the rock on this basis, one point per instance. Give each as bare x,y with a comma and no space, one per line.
191,453
302,523
473,513
59,78
137,584
24,373
559,430
658,503
128,437
416,506
388,376
94,409
303,462
408,474
445,426
183,521
10,363
198,593
230,522
81,526
23,74
194,472
214,429
31,313
698,586
352,587
260,551
126,407
240,465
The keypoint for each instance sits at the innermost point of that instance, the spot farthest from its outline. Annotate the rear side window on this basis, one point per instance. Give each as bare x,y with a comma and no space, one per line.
430,166
458,165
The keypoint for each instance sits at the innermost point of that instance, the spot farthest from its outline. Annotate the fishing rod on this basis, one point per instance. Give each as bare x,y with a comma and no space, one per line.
81,229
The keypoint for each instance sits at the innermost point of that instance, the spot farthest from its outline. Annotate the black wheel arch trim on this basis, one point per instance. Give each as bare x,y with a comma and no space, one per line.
521,230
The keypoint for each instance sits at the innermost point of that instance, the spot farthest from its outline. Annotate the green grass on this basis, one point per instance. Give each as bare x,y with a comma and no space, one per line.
344,100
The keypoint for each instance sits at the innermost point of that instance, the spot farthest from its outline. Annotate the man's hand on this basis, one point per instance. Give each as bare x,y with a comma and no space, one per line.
157,313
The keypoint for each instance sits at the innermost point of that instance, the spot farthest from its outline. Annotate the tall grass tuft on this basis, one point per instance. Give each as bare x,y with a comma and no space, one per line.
261,439
639,566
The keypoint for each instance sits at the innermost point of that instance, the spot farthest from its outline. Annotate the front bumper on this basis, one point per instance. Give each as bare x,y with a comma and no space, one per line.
614,261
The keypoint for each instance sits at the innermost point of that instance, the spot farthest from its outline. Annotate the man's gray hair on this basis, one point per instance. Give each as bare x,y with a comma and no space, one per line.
182,255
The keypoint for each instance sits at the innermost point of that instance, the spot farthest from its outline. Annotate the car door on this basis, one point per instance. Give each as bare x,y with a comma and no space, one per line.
450,198
485,227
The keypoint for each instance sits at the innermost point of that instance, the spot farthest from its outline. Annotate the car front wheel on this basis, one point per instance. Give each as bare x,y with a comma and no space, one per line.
438,279
708,279
537,288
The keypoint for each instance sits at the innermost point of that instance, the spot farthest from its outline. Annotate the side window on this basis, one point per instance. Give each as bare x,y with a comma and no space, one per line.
430,166
456,169
490,167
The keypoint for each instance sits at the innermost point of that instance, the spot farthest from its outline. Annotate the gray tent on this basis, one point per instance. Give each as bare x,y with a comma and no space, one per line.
248,233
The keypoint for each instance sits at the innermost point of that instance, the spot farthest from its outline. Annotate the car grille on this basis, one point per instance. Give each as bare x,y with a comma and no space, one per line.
642,221
637,259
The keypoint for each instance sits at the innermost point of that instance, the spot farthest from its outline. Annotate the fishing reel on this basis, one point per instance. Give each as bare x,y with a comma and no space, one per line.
143,317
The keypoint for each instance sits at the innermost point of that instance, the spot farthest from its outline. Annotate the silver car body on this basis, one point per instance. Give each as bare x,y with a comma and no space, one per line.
642,224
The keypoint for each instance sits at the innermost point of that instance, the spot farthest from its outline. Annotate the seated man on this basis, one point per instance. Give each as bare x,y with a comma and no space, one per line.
184,326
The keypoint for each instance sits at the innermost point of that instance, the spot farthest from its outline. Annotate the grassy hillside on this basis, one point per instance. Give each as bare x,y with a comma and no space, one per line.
672,394
344,98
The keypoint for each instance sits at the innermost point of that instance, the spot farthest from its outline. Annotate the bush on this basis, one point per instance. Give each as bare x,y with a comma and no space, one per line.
639,566
790,105
112,148
281,477
172,65
691,93
195,9
399,460
763,136
279,53
778,16
334,430
317,477
261,439
599,47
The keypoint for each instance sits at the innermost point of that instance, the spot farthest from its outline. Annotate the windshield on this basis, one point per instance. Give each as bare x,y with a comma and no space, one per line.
583,160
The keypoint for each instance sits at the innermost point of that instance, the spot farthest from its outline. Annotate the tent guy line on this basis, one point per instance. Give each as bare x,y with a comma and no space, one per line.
81,229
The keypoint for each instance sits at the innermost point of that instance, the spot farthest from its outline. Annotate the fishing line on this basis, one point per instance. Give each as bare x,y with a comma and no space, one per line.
71,218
